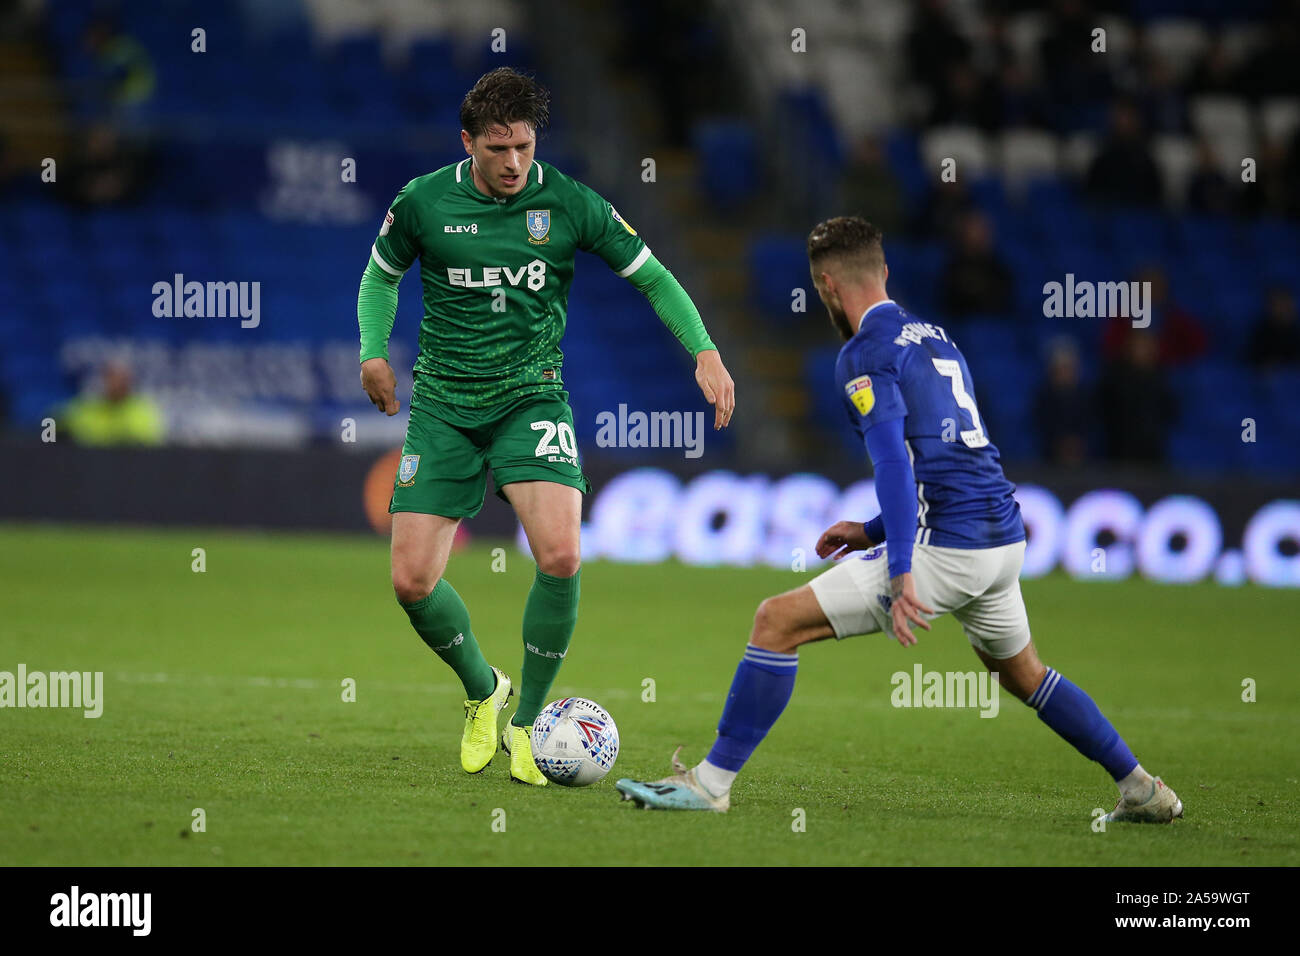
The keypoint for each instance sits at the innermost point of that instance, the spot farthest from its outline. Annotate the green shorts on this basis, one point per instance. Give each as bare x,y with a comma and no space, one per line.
449,450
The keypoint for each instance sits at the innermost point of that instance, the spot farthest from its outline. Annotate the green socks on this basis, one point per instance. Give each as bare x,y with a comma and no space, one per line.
442,621
549,618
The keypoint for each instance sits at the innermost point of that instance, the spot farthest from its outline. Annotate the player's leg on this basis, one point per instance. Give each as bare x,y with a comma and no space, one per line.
534,461
551,515
420,548
998,628
763,683
428,503
832,605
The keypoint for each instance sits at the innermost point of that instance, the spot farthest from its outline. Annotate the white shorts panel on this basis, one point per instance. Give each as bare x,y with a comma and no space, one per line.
979,587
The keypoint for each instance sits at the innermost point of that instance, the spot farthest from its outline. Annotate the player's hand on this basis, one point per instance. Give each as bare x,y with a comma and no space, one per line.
380,383
906,609
846,536
716,384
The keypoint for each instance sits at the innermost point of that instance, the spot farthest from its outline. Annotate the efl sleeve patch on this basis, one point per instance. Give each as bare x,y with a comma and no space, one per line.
860,394
388,223
620,220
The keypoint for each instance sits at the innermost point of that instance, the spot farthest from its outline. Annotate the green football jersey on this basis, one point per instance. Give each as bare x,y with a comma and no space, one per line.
496,276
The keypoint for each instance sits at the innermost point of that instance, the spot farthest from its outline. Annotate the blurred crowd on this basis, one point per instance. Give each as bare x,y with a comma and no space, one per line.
1118,405
1068,86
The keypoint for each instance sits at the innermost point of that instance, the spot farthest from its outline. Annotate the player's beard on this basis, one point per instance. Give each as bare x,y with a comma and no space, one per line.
840,320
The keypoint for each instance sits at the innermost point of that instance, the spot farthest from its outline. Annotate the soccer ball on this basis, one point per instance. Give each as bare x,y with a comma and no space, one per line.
575,742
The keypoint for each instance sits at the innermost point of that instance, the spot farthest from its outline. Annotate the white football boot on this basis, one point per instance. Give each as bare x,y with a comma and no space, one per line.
1163,806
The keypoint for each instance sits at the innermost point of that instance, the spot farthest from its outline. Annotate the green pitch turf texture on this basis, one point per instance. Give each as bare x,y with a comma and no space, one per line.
223,691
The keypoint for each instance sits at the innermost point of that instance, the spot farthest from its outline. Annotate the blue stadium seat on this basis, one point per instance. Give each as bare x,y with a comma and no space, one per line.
1194,450
827,406
1136,238
989,335
990,195
1195,233
1232,313
1278,388
915,269
902,149
729,164
777,265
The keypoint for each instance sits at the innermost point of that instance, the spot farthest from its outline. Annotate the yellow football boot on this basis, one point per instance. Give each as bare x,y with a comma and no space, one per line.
518,743
478,744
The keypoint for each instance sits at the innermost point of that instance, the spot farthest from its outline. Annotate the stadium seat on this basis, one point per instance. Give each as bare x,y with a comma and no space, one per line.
1023,154
1276,251
967,145
994,336
1217,118
990,194
729,163
1119,35
1078,152
429,77
827,406
1233,313
882,23
1197,232
847,74
1176,157
1196,451
1137,238
1279,118
1279,387
777,264
332,20
1179,42
409,23
1025,33
807,119
903,152
914,269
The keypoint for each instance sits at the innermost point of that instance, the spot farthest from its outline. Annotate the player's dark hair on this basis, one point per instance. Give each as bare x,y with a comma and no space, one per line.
848,239
504,96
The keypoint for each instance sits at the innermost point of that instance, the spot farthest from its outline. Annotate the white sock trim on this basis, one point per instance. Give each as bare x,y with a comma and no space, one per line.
714,779
1138,786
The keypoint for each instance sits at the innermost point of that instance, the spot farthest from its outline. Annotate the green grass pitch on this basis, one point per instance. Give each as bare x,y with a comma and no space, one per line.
223,691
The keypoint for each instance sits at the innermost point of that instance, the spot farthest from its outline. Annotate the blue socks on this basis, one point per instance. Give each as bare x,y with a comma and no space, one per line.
1072,714
764,682
759,692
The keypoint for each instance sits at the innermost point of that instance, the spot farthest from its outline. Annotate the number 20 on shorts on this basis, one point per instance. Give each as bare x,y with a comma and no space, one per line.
568,441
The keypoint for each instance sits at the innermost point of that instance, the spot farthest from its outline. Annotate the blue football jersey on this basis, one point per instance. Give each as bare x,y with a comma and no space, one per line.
898,366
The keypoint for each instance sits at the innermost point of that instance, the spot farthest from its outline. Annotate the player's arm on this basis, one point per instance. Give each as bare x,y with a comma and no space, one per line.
896,490
604,232
391,255
870,395
874,403
376,311
845,537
